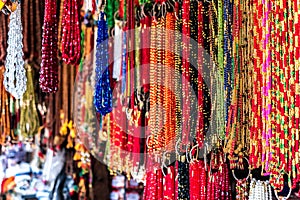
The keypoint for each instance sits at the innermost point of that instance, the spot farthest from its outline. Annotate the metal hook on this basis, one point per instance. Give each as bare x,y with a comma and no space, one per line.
147,141
163,10
192,159
163,164
116,14
153,11
176,147
187,154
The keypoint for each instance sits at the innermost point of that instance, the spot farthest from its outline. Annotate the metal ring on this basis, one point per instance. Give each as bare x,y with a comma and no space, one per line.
233,174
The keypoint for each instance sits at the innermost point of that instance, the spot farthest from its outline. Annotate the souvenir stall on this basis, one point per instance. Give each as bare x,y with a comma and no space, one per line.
149,99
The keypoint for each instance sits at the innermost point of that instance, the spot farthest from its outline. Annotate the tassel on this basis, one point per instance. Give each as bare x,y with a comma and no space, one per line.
76,156
73,133
70,142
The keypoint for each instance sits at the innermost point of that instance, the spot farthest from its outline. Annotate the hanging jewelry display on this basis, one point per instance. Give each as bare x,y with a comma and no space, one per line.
241,187
260,190
183,179
49,65
274,103
5,112
70,42
169,183
15,75
186,90
103,93
3,38
29,119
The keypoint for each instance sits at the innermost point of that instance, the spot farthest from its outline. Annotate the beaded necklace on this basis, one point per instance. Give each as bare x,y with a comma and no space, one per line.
183,180
297,91
228,15
15,75
70,47
275,124
110,9
200,125
255,148
4,105
195,170
153,87
159,184
241,189
178,71
220,56
38,30
3,38
103,93
186,72
136,98
32,44
29,119
169,184
260,190
169,97
237,130
49,66
161,134
61,10
151,186
25,22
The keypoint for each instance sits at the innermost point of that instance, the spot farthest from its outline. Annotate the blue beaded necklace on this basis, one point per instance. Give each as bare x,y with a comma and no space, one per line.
103,92
124,63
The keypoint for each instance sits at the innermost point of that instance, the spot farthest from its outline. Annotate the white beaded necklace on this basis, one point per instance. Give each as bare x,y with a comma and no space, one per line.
15,75
260,190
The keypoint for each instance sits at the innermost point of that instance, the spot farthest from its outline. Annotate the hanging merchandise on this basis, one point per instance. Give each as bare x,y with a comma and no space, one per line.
275,119
163,96
103,93
49,66
29,118
5,119
70,40
7,6
238,82
260,190
15,74
3,31
242,187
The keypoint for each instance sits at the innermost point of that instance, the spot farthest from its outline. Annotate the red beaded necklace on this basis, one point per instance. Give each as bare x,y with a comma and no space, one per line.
194,176
200,127
49,65
70,48
169,184
185,72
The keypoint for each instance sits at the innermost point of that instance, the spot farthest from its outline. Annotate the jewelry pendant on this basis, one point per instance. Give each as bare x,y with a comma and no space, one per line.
15,76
